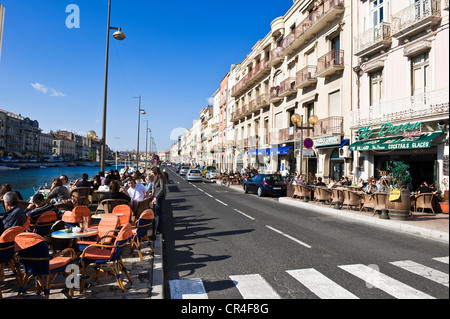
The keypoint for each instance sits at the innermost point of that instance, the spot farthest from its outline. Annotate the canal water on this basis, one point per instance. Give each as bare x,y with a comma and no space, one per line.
28,181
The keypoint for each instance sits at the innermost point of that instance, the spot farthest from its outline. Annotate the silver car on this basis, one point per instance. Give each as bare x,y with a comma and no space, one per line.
212,175
184,170
194,175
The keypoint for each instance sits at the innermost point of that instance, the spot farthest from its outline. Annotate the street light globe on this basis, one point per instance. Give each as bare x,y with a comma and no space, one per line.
119,35
296,119
91,135
313,120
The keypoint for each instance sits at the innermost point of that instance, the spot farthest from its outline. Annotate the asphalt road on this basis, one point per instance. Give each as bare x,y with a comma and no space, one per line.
223,244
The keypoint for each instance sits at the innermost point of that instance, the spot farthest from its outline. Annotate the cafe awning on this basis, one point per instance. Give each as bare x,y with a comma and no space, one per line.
396,143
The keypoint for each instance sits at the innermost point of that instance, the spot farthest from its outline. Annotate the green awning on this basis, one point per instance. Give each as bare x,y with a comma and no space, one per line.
395,143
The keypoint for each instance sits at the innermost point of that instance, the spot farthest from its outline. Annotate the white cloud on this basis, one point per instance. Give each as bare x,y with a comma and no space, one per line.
46,90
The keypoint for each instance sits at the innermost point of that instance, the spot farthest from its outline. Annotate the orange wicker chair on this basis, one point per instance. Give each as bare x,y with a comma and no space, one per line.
33,253
126,211
7,257
140,231
110,255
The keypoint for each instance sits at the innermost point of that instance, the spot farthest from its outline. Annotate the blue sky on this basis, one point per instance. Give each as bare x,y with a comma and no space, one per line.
174,57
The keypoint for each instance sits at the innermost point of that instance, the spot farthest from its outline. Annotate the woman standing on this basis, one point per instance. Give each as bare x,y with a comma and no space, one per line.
159,191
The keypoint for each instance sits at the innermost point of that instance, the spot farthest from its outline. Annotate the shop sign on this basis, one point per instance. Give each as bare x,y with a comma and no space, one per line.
388,128
327,140
394,194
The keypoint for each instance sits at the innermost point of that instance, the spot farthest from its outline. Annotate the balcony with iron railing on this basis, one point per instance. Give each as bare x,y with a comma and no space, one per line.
322,15
276,56
333,125
287,87
261,69
330,63
262,100
275,94
430,105
416,18
306,77
373,40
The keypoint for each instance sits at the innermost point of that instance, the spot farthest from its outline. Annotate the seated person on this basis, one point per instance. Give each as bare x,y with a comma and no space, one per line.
116,192
332,183
83,182
14,214
8,188
105,187
39,206
136,192
423,189
371,187
58,192
319,182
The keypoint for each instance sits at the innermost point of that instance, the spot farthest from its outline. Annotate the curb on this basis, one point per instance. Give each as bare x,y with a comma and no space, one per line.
157,278
386,224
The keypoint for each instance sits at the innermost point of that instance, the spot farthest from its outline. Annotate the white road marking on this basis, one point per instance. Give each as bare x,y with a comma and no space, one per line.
421,270
221,202
389,285
442,259
254,287
288,236
236,210
320,285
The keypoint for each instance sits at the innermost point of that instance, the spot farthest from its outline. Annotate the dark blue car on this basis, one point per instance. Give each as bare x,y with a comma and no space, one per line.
265,184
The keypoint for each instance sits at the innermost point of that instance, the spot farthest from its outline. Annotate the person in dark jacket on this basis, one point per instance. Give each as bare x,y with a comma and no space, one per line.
39,207
14,214
159,191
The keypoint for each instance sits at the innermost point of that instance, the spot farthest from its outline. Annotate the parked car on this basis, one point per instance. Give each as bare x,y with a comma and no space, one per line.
266,184
206,169
184,170
212,174
194,175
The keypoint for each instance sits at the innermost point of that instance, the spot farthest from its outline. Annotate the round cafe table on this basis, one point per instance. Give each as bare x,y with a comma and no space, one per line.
61,234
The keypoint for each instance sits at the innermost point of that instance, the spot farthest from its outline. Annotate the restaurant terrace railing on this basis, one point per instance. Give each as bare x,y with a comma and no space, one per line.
415,18
373,39
430,104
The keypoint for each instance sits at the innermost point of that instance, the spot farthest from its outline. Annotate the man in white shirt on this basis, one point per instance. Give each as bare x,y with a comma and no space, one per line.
136,192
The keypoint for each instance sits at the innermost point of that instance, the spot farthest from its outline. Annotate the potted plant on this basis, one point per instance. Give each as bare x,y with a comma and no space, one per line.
444,197
399,202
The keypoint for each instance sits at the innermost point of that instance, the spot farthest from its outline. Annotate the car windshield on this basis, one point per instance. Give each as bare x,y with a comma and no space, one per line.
212,171
185,167
196,171
210,168
273,178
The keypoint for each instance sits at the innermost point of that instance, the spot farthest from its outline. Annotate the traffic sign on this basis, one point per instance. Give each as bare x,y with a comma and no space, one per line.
308,143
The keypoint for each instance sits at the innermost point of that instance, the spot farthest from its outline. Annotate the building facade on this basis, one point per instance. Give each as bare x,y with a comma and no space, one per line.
403,88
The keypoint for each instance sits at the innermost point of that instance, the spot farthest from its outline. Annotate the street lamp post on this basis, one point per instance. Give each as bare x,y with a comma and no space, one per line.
141,111
118,35
296,120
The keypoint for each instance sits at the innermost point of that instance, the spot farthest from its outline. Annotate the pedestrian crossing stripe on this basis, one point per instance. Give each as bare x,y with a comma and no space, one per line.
254,286
320,285
389,285
427,272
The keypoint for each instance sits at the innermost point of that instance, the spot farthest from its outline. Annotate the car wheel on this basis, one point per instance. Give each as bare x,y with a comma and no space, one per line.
260,192
246,189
